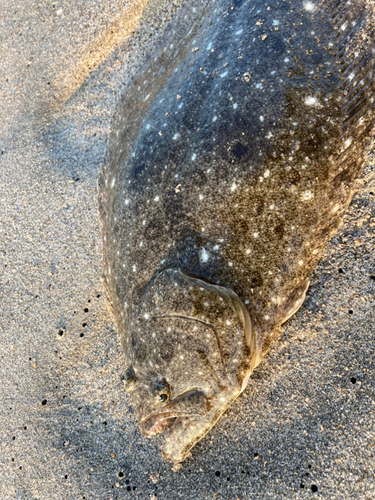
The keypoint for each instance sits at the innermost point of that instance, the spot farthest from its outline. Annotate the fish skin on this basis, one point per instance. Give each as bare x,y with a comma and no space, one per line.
233,159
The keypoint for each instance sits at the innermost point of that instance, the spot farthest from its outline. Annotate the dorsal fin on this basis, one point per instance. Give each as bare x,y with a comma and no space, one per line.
355,48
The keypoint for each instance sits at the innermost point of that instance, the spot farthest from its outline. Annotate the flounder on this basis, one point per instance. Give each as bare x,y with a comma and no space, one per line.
232,161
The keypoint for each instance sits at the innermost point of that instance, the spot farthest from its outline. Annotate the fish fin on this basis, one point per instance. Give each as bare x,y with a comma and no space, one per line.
140,92
146,84
354,25
295,301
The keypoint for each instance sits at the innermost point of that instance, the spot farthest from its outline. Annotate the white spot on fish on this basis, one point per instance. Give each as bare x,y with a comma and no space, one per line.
255,235
344,26
204,255
235,105
201,196
307,195
275,22
224,74
311,101
113,182
233,187
286,59
193,157
300,262
146,316
266,173
176,136
134,268
148,126
309,6
126,202
261,118
156,198
214,118
248,251
239,32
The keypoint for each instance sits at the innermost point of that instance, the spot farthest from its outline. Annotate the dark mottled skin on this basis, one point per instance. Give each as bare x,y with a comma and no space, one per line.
232,161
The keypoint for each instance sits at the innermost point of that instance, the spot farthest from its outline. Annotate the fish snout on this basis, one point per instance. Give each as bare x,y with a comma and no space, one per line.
186,432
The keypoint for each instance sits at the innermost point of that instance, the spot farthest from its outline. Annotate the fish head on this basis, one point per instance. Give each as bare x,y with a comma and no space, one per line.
190,352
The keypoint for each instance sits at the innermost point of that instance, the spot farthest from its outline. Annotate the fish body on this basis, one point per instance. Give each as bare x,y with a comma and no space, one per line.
232,161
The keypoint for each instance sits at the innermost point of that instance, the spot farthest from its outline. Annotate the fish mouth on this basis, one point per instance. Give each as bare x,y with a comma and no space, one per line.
176,418
157,423
185,421
186,431
177,444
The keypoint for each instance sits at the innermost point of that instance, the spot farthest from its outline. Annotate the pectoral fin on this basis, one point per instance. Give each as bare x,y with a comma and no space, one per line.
295,301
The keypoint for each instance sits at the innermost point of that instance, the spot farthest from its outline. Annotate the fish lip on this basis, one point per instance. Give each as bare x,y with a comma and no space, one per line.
151,425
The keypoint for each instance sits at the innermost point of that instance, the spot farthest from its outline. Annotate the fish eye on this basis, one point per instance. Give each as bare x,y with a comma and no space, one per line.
161,391
163,398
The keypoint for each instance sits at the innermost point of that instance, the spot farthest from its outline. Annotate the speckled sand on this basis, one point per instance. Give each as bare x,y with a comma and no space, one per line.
305,425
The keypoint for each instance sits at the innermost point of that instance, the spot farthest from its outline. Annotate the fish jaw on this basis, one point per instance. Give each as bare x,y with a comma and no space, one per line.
186,420
187,431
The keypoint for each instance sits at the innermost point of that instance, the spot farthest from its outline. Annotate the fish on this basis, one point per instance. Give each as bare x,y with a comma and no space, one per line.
233,157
